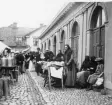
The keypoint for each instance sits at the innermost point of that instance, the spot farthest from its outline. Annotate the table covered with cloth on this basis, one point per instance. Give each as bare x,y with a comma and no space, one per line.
56,68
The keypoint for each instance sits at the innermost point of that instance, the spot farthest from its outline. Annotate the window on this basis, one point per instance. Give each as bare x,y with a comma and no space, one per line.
98,18
19,39
35,41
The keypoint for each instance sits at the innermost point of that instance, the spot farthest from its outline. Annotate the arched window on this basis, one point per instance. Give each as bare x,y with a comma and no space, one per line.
55,45
98,17
75,39
45,47
42,48
97,42
62,40
49,45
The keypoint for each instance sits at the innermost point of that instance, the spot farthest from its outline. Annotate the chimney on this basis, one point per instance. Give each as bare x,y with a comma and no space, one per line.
14,25
41,25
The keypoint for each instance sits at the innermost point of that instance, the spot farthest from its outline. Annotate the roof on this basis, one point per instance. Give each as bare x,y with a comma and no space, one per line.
22,31
61,14
8,34
58,16
37,29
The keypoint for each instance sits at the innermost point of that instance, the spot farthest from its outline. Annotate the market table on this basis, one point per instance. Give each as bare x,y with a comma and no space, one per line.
55,69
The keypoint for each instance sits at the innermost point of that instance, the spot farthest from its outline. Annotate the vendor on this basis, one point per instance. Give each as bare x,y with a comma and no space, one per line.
48,55
60,56
38,58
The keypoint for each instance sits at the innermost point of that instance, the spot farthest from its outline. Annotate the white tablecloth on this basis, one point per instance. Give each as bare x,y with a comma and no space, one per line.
56,73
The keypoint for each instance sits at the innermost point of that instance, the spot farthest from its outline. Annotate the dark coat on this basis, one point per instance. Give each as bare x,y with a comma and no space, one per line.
70,68
49,55
37,56
19,59
59,57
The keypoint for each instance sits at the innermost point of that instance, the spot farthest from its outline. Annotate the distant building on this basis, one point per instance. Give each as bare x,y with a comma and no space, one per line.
13,36
32,39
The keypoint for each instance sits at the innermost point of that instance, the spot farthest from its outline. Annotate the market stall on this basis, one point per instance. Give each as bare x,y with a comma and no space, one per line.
3,46
55,69
8,73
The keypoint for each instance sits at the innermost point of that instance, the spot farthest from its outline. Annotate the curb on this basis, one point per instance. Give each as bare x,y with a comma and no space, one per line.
45,96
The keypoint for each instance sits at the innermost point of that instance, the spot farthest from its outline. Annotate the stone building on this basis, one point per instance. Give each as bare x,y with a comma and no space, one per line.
14,36
32,39
87,28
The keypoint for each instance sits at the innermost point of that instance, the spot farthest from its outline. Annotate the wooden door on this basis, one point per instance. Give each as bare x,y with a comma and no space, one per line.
98,40
75,48
102,44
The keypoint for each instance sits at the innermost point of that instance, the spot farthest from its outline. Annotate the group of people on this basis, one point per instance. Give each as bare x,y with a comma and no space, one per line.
91,70
85,77
67,57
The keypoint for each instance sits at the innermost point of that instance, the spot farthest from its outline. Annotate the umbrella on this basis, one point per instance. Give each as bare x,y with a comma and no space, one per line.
3,46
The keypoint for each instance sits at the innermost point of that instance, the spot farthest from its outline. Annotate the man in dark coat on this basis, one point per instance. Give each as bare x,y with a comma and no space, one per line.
19,62
48,55
37,58
60,56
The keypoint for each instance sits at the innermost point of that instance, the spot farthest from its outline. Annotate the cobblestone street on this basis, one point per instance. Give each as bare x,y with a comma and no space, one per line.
70,96
23,93
30,90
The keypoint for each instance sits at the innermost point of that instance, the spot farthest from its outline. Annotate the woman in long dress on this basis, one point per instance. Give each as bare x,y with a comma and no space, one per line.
31,64
70,67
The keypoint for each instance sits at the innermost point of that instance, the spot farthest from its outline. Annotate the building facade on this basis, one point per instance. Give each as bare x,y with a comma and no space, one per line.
87,28
32,39
13,36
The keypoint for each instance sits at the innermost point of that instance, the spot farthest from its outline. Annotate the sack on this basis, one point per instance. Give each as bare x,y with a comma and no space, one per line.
99,81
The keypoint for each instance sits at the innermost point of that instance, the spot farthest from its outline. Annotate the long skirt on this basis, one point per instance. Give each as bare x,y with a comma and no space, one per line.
31,66
70,77
92,78
82,77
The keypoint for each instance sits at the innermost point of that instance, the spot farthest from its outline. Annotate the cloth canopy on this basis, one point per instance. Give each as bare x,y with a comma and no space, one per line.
3,46
26,50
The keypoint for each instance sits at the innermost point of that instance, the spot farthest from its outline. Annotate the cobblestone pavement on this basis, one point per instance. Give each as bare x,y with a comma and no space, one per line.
23,93
70,96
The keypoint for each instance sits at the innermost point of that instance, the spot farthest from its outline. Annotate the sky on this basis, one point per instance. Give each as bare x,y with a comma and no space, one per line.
29,13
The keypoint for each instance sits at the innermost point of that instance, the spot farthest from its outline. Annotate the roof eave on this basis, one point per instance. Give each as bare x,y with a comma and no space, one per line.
65,9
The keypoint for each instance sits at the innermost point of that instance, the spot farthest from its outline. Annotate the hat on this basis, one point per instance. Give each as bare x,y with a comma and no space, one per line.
98,59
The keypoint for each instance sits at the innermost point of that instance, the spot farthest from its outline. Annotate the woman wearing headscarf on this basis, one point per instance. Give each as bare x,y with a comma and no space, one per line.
59,56
84,72
98,73
70,67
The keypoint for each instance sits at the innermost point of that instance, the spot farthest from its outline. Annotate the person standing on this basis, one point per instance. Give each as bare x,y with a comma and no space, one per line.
38,58
70,67
31,64
20,60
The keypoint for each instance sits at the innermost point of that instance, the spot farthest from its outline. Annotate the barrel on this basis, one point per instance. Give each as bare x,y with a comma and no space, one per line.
4,62
10,61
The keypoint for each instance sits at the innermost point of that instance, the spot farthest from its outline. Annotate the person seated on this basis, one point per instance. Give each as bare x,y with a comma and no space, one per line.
84,72
99,71
93,65
60,56
48,55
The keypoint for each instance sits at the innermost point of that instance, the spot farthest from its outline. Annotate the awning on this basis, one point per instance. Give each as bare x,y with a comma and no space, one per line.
26,50
3,46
